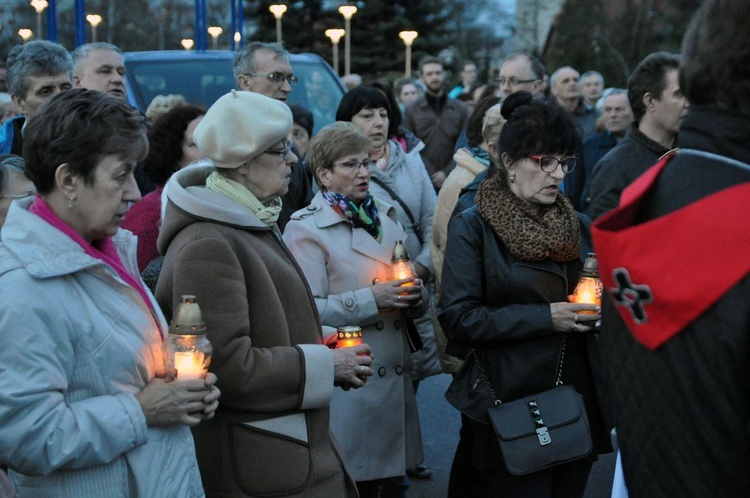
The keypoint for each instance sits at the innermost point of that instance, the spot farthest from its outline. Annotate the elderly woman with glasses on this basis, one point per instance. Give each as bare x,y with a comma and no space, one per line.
510,264
343,242
84,408
271,434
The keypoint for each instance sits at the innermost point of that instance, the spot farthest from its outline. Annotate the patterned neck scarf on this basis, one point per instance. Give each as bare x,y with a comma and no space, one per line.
553,232
363,216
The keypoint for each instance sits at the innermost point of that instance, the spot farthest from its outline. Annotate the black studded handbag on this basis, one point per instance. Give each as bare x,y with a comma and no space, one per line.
543,430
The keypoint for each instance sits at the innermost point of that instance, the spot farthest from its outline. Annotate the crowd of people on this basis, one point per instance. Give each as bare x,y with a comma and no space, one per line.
286,238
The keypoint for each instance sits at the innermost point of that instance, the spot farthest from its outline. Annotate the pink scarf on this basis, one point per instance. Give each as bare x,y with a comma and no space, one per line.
103,250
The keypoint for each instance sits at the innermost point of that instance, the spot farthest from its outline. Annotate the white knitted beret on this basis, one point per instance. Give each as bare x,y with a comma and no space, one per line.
240,126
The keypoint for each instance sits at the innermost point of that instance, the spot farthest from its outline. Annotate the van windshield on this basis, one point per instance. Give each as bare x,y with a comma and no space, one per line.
204,81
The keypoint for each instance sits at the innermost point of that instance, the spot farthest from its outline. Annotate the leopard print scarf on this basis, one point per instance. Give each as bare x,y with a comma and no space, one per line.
529,236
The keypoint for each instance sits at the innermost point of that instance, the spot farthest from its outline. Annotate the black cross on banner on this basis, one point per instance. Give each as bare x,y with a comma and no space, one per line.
635,297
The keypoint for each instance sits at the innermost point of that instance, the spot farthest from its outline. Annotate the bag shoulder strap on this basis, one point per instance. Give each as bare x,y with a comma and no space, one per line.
483,373
409,214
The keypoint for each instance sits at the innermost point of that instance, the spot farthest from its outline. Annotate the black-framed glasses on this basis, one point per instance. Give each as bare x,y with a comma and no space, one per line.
277,77
280,153
549,163
26,194
355,165
512,81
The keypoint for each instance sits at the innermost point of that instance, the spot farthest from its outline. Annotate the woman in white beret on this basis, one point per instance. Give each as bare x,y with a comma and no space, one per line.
271,435
344,241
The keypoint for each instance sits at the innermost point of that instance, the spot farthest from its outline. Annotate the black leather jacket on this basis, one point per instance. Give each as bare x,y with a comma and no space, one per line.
500,306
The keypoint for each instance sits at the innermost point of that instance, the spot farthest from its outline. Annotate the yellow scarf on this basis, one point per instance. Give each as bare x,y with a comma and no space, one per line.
239,193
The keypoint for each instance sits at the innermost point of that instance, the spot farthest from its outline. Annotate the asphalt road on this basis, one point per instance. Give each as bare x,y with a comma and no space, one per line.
440,424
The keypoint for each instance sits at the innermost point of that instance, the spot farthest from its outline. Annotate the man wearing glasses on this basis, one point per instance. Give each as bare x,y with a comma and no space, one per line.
520,72
264,68
13,185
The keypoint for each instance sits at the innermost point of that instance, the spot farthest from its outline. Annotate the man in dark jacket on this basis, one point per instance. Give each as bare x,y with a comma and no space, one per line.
617,116
658,108
675,261
437,120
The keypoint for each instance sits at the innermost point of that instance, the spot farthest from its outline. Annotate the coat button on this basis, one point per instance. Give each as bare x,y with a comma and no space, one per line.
380,325
381,371
397,324
349,303
399,370
311,208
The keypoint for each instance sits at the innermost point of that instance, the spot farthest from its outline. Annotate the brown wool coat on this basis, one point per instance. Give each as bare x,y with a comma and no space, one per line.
270,435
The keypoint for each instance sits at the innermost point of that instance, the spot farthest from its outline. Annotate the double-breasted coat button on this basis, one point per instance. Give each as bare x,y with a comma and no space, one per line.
380,325
397,324
311,208
399,370
349,303
381,371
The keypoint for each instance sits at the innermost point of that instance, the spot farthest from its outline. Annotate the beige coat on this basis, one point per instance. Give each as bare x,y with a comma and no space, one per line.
376,425
467,168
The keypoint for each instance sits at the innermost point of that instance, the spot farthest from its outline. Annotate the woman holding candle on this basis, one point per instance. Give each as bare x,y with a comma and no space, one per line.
510,264
344,241
271,434
83,411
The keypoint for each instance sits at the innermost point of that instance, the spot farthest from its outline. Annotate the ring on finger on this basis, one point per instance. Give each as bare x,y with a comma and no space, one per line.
398,298
575,327
575,318
361,369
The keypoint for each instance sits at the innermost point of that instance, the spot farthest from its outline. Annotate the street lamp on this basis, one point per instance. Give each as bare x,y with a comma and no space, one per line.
94,20
237,38
335,35
187,43
25,33
39,6
215,32
278,10
408,37
347,11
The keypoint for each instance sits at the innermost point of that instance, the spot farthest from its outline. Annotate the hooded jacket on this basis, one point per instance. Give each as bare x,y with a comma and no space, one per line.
78,344
270,436
675,263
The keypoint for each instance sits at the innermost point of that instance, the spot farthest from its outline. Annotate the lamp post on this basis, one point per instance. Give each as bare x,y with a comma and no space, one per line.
408,37
187,43
347,11
215,32
39,6
335,35
25,34
277,10
94,20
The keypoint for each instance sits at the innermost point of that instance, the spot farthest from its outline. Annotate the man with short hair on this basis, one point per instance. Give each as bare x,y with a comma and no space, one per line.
264,68
437,120
520,72
468,80
617,118
658,109
591,87
100,66
564,85
675,338
36,71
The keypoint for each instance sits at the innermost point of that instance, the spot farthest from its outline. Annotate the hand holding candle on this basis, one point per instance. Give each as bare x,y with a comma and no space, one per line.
187,349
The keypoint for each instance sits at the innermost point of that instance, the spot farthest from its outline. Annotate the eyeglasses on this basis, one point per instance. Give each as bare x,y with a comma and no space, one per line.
512,81
280,153
276,77
18,196
549,163
354,165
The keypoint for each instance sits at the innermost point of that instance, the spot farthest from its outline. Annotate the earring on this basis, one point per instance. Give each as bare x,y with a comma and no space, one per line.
71,203
512,178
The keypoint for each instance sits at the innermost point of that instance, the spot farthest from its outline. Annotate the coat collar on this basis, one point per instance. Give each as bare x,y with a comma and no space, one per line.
362,241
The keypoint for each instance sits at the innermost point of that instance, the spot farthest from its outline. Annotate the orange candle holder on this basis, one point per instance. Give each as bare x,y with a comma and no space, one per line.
349,336
589,288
